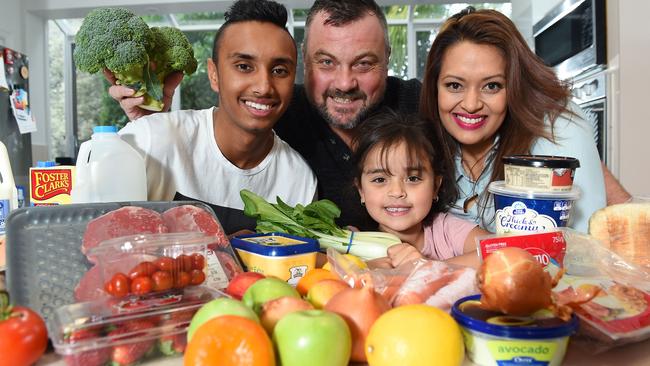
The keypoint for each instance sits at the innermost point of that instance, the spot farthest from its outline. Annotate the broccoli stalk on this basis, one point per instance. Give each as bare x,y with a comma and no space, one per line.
140,57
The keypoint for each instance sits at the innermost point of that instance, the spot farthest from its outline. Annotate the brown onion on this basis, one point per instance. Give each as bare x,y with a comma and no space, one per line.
513,282
360,307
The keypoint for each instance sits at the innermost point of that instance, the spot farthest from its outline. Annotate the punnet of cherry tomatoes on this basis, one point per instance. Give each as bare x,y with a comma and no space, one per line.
150,263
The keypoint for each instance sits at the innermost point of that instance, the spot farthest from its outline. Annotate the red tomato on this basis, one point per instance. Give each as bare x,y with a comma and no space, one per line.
143,269
162,281
142,285
198,261
184,263
119,285
197,277
165,264
23,336
182,279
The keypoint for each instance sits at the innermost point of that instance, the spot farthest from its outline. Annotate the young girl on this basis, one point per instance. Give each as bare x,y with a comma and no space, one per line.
406,185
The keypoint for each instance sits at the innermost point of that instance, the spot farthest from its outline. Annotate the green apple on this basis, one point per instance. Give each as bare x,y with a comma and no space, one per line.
265,290
312,337
219,307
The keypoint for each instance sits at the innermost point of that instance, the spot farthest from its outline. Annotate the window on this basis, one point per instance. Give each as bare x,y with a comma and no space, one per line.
412,29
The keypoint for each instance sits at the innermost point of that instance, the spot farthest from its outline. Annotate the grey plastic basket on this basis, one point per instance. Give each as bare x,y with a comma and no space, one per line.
44,259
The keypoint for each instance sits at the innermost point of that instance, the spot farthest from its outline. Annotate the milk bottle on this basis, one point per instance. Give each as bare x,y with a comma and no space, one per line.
109,170
8,197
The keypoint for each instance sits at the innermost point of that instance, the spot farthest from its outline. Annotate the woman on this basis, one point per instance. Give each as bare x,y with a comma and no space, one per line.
492,97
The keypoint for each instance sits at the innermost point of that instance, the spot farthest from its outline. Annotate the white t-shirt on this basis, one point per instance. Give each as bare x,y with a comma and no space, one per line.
183,161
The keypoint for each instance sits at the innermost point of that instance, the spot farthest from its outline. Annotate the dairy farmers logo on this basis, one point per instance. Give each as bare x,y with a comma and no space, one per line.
519,218
49,183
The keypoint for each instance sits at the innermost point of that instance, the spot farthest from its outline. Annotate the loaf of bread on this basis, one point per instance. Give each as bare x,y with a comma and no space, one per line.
625,229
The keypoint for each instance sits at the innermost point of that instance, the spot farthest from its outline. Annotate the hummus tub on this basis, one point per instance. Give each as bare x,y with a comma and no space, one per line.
540,173
281,255
526,211
494,339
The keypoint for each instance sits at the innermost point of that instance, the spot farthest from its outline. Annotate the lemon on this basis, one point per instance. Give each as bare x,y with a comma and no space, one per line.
353,258
415,335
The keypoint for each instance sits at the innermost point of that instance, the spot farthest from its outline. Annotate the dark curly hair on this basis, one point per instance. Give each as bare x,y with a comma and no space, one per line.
251,10
387,129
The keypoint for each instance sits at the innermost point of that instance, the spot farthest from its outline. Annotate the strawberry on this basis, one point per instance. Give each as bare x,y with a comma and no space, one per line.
130,353
96,357
171,344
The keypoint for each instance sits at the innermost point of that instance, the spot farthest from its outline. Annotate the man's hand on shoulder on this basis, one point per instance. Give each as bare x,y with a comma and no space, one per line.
129,104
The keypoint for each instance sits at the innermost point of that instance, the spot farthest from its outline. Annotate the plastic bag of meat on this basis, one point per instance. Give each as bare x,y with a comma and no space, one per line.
421,281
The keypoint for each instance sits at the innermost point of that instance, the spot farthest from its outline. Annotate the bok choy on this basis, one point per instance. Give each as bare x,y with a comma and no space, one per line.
315,220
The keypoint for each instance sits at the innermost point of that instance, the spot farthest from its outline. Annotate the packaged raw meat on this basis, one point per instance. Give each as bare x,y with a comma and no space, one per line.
128,220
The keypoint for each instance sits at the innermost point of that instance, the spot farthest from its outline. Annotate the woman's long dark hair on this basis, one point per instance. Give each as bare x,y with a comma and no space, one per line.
386,129
532,89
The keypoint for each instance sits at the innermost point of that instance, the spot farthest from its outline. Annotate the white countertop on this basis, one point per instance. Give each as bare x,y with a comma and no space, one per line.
637,354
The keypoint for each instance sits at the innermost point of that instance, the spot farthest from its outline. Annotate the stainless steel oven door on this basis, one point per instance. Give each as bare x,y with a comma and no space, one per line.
590,94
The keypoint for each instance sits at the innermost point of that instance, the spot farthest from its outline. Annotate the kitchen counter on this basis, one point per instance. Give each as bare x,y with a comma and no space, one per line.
636,354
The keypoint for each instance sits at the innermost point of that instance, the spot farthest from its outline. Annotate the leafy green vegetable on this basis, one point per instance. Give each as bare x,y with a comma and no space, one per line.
317,220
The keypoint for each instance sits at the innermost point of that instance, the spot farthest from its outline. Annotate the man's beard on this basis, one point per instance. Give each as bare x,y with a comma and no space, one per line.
352,95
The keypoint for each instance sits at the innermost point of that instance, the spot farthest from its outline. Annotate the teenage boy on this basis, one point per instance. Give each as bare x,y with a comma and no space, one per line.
210,155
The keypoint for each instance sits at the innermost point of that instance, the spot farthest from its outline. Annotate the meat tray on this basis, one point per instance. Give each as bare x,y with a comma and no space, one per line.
44,259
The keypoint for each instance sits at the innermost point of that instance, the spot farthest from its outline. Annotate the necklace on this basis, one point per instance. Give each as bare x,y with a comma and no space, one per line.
473,197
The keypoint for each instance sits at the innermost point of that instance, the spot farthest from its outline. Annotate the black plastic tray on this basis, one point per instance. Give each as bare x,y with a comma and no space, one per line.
44,259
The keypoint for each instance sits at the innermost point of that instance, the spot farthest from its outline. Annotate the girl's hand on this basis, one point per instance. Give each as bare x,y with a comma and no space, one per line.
402,253
377,263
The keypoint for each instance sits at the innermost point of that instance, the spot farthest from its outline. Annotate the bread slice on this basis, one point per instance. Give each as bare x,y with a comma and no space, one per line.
625,229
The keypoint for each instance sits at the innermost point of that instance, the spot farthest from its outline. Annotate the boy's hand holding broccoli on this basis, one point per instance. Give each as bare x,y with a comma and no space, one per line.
134,55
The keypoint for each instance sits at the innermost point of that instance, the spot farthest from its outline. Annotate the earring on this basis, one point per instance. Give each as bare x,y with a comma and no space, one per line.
363,203
435,199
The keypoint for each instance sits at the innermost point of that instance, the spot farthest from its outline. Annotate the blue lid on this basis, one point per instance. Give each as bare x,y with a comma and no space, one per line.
104,129
45,164
275,244
562,329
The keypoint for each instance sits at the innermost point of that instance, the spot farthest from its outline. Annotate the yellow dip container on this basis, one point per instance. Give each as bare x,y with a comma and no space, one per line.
287,257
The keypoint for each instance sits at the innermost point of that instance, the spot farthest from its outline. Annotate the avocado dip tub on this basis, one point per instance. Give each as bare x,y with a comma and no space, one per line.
540,173
492,338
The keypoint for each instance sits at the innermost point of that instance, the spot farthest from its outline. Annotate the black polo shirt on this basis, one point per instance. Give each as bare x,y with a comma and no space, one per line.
329,157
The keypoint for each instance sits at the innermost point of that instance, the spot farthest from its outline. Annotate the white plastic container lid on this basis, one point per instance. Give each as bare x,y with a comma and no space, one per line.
499,187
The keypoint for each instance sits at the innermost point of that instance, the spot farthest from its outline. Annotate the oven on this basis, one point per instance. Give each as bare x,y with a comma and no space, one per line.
590,93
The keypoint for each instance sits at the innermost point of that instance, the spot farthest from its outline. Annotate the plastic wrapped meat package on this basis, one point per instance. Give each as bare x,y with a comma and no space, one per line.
221,263
620,313
430,282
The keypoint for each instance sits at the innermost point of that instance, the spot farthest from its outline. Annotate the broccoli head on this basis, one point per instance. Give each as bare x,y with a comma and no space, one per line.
120,41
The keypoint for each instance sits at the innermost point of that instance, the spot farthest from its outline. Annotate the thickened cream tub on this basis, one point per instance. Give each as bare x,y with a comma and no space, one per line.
540,173
517,211
492,338
287,257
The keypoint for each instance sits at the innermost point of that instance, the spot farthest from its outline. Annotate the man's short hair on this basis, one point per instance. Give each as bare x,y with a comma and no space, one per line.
342,12
251,10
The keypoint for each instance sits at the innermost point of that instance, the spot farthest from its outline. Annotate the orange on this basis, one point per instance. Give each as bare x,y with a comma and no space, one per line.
312,277
230,340
415,335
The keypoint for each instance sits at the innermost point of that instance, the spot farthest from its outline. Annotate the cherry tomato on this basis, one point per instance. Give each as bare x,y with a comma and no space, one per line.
142,285
23,336
162,281
184,263
182,279
198,261
118,285
143,269
197,277
165,264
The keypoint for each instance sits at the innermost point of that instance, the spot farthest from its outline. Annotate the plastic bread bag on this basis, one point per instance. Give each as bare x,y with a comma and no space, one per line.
620,313
431,282
625,229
